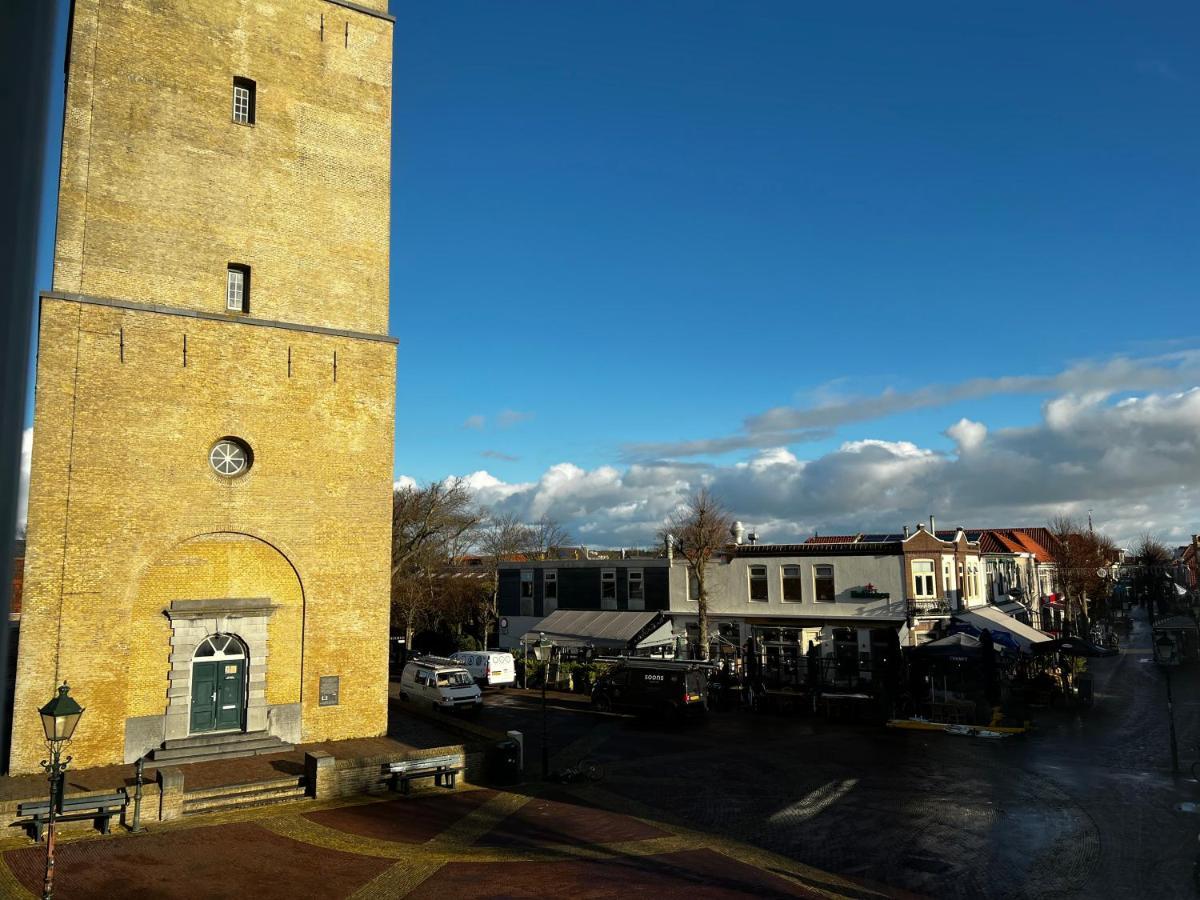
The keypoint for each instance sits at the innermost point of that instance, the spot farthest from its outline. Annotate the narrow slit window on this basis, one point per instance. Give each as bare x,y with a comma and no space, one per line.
243,101
237,288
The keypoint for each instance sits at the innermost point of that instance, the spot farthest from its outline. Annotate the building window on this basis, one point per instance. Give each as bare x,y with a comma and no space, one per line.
758,583
230,457
608,588
947,582
237,288
527,592
922,574
693,585
823,589
637,589
550,585
243,101
793,590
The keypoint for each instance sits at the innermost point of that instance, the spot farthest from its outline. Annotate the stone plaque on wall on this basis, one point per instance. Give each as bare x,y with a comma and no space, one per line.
329,690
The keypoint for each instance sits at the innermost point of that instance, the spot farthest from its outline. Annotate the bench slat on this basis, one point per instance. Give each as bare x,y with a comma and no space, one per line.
74,803
415,765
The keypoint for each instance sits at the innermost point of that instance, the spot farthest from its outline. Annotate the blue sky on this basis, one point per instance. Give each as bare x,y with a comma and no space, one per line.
621,224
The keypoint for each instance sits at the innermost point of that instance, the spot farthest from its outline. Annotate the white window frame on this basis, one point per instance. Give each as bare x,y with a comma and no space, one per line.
549,577
235,288
527,579
244,90
798,578
924,579
608,577
832,578
750,579
637,601
693,586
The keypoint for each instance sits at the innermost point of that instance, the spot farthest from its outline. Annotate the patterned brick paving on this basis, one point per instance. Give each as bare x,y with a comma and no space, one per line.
409,821
686,874
234,861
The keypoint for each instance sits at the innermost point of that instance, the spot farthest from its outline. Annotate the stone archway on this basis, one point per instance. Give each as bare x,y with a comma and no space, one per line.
222,583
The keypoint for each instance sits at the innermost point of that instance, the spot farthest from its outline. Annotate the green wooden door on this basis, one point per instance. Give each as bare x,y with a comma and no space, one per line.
204,696
229,694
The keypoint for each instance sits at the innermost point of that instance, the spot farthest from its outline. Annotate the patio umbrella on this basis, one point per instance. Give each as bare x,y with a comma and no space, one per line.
956,646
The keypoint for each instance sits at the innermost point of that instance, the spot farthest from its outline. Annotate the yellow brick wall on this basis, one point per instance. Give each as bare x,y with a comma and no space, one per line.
120,479
160,190
211,566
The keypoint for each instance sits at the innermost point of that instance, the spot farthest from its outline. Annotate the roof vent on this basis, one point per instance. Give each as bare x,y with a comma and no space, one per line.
738,531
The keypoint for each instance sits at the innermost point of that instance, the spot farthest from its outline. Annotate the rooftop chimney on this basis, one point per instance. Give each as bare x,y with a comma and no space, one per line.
932,526
906,532
669,540
738,531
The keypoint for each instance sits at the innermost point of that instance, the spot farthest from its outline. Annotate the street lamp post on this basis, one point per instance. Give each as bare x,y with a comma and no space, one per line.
59,718
541,650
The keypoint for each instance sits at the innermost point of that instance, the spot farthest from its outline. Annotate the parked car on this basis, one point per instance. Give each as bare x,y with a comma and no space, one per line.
490,668
443,683
662,687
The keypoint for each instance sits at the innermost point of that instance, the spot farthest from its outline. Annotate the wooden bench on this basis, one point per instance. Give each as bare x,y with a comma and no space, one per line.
99,808
442,769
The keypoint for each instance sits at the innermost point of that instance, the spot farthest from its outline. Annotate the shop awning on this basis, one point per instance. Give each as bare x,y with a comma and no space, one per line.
608,629
985,617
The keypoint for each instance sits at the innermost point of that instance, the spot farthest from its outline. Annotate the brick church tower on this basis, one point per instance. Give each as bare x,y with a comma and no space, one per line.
209,507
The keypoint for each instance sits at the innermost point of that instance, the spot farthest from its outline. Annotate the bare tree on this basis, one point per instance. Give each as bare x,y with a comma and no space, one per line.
1082,560
698,531
549,537
1152,580
502,536
430,525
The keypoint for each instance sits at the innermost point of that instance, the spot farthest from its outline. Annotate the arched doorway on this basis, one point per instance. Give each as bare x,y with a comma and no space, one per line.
218,691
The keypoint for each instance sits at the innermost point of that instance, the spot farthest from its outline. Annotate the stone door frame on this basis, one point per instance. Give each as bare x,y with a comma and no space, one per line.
192,621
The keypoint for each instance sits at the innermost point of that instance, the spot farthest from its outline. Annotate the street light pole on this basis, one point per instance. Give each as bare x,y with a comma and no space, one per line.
59,718
542,652
1171,724
55,768
545,728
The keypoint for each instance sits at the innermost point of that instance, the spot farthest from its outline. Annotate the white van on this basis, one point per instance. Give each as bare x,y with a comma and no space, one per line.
491,668
444,683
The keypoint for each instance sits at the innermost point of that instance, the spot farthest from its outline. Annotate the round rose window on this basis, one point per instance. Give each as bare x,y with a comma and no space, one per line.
229,457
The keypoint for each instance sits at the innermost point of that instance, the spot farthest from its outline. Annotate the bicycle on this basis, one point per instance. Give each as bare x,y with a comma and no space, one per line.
584,770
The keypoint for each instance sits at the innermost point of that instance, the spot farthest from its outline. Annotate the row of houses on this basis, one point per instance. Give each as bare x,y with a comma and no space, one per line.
837,592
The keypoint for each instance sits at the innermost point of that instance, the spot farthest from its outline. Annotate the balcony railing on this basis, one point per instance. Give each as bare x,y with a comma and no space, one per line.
918,608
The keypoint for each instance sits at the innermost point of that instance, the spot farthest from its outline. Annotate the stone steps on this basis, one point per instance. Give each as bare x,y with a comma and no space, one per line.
243,796
207,747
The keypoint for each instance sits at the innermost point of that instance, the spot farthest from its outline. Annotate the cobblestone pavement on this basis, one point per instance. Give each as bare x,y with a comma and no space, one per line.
466,844
1082,807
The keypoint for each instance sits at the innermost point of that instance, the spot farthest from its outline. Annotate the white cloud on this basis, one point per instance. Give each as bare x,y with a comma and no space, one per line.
497,454
789,425
403,482
967,434
475,422
1136,464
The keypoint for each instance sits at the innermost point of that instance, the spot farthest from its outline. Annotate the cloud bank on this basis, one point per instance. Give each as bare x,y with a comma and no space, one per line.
1135,462
788,425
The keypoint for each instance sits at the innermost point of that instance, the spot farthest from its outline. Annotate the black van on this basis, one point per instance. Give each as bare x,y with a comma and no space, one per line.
662,687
